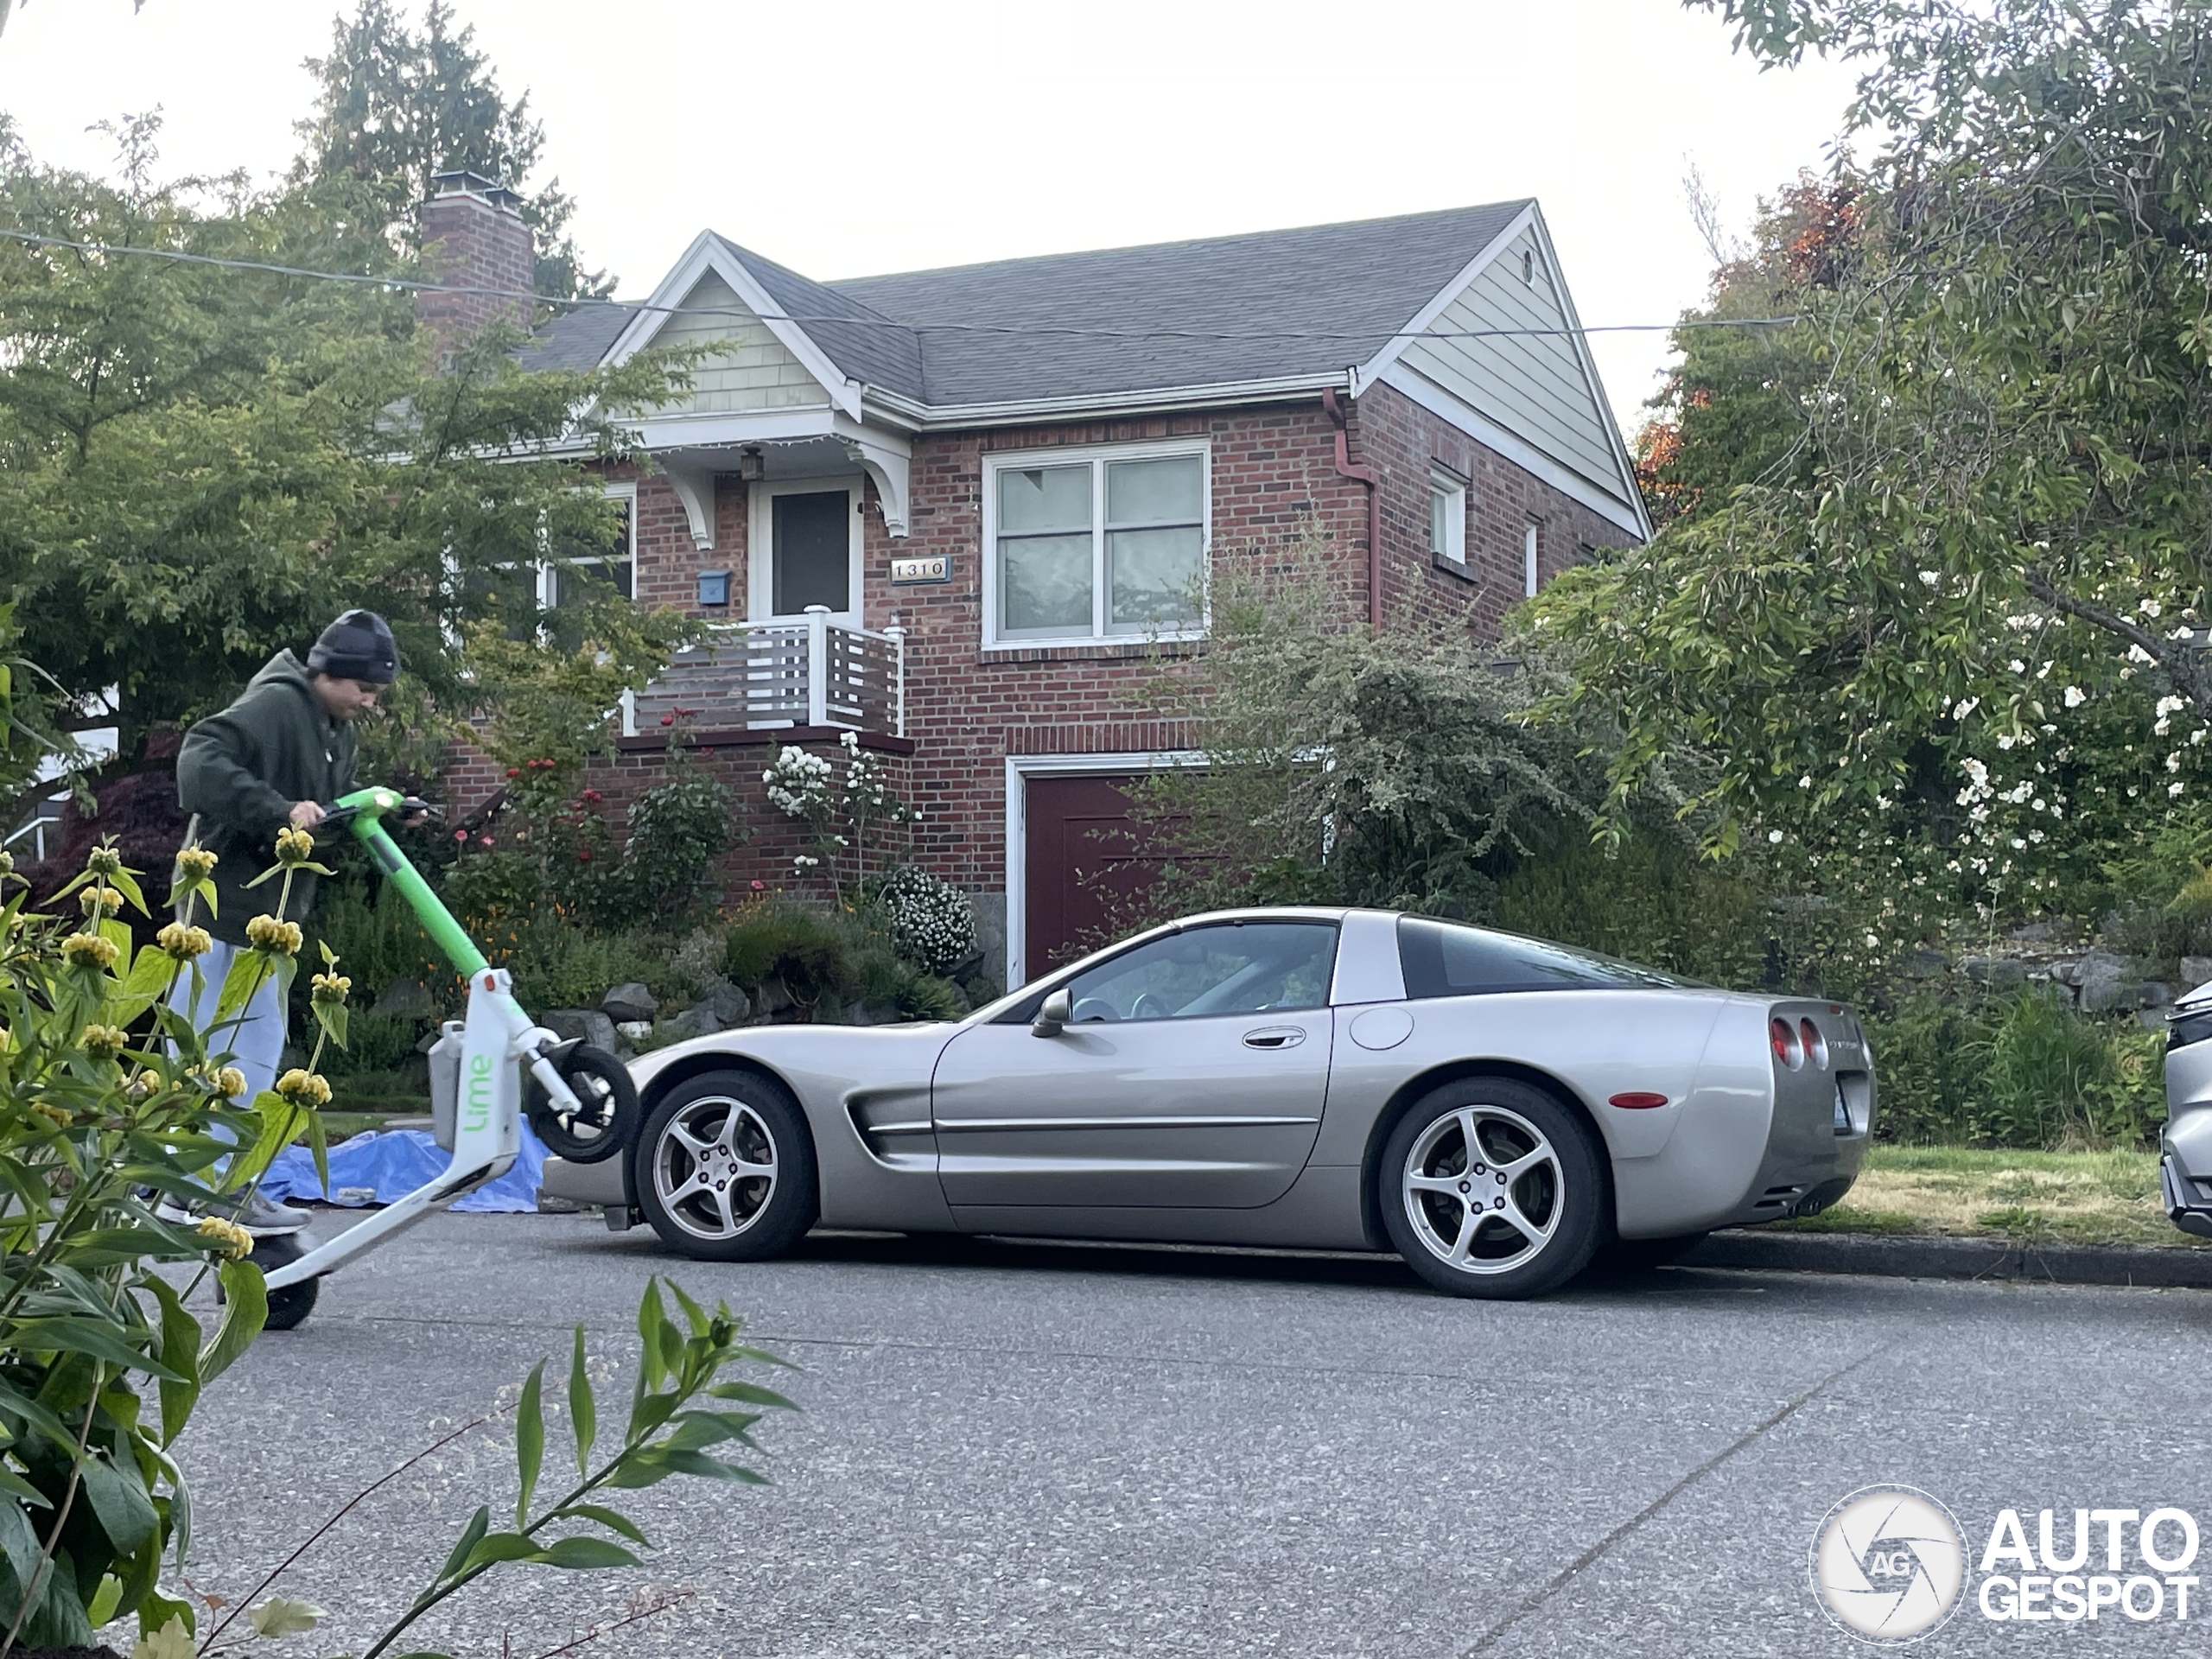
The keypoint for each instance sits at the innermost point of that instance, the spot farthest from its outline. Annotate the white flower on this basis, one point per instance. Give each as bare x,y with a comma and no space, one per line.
2137,654
1872,941
1929,579
2036,803
1774,836
2018,843
2036,834
2005,741
2198,736
1977,771
1806,782
2173,788
2169,705
2173,761
1967,706
2076,696
2017,666
2150,607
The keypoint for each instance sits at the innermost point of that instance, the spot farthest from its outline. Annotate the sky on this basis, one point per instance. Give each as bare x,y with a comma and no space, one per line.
869,137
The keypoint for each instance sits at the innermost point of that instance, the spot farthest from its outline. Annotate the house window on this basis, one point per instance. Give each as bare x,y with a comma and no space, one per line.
581,569
1096,544
1447,516
1528,554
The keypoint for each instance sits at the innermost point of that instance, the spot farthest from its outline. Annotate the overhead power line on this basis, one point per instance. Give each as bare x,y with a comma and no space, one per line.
405,285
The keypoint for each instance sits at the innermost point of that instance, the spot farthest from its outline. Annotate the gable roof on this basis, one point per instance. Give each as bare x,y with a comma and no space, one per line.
1225,310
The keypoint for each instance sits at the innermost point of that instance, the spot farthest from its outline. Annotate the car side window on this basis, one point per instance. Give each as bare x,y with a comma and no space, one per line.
1226,968
1449,959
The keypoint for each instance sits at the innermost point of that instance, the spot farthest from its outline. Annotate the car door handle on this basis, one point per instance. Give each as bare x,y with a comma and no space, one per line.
1275,1037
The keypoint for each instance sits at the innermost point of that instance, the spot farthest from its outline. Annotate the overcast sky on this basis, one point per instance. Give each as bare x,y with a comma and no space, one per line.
864,136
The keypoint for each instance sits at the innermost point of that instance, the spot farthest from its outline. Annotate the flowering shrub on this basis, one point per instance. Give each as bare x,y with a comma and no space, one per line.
804,785
931,921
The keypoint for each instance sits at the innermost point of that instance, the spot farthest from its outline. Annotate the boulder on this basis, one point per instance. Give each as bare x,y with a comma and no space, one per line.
588,1024
729,1005
404,999
635,1031
2154,994
1999,973
2195,970
1926,964
697,1021
630,1002
773,998
2101,978
2035,933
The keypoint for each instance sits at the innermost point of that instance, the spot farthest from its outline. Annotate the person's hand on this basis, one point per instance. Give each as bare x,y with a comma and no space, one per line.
306,815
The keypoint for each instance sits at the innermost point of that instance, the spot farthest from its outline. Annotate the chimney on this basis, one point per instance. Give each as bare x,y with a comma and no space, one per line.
474,236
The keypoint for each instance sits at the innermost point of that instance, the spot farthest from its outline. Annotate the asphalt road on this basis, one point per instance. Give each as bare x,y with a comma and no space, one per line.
1016,1449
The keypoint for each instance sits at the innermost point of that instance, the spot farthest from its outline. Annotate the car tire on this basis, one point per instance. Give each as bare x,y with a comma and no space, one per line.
1532,1159
725,1168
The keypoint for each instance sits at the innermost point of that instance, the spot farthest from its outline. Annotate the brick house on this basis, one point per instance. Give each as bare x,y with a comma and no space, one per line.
958,512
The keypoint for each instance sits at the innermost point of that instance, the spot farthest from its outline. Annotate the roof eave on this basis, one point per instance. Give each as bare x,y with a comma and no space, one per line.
1139,401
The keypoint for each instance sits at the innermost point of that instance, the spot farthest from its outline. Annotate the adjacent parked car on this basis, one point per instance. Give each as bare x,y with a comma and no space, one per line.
1493,1108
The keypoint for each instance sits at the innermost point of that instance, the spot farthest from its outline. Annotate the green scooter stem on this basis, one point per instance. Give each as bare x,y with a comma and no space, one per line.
369,806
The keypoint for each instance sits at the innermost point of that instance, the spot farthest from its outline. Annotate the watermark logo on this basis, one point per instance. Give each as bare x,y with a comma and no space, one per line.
1888,1564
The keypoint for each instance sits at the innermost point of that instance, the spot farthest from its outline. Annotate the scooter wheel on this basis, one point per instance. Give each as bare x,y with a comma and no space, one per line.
291,1304
605,1118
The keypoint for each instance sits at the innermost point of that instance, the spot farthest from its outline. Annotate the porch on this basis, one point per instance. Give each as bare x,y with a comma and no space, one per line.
810,672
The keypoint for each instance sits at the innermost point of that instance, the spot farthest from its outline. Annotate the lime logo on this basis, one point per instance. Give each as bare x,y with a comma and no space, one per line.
1888,1564
480,1092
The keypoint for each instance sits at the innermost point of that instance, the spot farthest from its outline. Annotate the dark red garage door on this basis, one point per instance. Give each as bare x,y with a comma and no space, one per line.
1084,857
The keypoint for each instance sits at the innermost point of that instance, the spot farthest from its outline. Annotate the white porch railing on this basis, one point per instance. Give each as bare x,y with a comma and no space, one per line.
808,672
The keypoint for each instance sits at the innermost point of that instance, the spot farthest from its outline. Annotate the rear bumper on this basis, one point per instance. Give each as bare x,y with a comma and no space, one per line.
2188,1201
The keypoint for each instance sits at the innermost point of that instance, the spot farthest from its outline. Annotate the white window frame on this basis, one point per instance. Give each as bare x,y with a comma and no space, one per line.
760,544
1530,568
1098,456
1442,480
548,570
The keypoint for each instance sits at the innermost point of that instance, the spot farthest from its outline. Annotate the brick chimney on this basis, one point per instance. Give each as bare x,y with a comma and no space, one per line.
474,236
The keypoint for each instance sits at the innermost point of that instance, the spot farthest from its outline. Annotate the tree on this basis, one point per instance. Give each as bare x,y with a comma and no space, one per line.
1959,619
395,106
198,463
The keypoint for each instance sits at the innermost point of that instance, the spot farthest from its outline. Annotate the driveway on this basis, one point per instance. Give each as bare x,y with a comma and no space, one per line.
1019,1449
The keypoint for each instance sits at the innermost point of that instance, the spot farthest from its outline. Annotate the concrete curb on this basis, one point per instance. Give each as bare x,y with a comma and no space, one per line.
2178,1266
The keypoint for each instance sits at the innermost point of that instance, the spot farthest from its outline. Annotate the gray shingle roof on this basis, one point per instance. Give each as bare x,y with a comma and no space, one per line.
1278,303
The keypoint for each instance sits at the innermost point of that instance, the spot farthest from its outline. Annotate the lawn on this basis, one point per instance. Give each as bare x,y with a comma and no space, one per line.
2077,1198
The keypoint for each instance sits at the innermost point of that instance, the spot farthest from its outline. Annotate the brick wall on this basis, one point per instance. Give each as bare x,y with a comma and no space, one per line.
474,241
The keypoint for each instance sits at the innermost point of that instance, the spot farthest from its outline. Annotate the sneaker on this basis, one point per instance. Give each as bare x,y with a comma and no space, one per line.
259,1216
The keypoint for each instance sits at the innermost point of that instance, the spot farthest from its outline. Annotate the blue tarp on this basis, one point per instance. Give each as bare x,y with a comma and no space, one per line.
377,1169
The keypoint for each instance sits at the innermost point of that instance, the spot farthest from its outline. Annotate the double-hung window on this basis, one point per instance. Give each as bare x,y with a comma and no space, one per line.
1447,516
582,569
1095,545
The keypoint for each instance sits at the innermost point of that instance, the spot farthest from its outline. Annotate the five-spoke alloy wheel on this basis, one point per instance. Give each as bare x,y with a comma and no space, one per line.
725,1169
1490,1187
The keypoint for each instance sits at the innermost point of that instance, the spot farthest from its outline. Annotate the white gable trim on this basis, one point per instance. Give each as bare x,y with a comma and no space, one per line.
710,255
1371,371
1437,401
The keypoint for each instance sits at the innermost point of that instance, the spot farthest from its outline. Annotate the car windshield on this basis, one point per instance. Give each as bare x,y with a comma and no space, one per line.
1224,968
1451,959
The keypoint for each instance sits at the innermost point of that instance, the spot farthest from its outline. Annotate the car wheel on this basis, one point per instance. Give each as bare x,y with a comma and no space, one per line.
1492,1188
725,1169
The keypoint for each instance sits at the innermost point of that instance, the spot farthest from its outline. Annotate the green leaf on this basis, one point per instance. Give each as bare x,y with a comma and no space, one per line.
105,1602
529,1440
280,1121
613,1520
150,973
283,1616
181,1339
471,1536
82,1336
172,1641
652,1321
127,884
248,968
496,1547
586,1553
692,1311
751,1393
583,1408
245,1310
331,1016
118,1497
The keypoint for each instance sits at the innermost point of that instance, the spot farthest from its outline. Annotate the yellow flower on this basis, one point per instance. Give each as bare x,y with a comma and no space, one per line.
101,1042
278,938
303,1087
7,1041
229,1081
195,863
88,950
103,861
294,846
184,943
6,863
331,988
100,901
142,1085
52,1115
227,1236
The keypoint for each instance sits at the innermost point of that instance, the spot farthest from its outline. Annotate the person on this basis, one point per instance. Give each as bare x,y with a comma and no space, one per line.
268,761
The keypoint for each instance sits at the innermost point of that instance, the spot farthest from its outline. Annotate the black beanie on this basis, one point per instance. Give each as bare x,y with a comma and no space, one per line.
356,646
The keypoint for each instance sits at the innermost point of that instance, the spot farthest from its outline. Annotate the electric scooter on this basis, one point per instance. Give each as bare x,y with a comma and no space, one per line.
486,1071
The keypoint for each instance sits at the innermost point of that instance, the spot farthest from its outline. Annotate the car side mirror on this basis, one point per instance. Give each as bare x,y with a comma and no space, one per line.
1052,1016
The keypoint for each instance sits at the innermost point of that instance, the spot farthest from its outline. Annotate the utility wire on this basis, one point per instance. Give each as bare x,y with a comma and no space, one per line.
399,285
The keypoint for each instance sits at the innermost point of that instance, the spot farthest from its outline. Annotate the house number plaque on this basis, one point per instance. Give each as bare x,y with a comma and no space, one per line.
935,567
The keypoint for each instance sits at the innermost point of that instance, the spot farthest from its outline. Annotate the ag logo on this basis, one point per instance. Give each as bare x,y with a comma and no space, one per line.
1888,1564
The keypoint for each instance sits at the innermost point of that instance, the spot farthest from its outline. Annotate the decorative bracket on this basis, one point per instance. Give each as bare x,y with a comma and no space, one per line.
694,484
886,462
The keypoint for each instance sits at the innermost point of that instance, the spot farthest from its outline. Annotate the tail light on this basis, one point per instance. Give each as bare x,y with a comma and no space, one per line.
1786,1047
1816,1046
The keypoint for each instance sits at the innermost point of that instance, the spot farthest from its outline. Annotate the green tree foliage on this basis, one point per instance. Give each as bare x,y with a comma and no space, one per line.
1956,620
198,464
394,105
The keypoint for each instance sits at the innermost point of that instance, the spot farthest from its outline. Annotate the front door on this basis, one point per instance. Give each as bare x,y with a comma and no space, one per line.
1191,1075
811,539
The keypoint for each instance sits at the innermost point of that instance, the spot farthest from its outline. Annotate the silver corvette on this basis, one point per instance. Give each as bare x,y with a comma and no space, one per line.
1493,1109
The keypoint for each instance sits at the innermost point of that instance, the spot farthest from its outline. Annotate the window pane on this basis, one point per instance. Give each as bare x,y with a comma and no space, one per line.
1154,491
1235,968
1044,497
813,551
1440,521
1440,959
1153,576
1045,584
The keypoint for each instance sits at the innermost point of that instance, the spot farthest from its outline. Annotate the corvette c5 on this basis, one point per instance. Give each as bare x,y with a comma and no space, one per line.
1495,1110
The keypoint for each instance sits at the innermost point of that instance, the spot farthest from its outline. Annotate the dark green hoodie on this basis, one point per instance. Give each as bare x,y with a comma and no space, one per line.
240,773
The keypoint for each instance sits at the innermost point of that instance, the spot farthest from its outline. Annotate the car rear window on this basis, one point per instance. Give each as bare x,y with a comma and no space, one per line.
1451,959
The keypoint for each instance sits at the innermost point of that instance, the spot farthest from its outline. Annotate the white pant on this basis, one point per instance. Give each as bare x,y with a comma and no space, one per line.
254,1037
